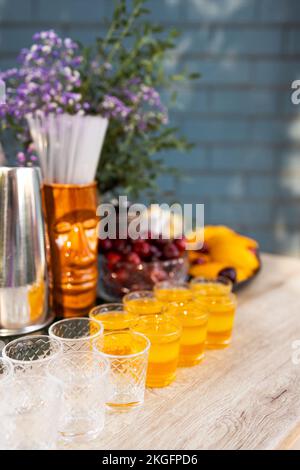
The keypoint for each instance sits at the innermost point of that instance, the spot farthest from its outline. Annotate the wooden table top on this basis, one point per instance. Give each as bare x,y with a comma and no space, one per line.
244,397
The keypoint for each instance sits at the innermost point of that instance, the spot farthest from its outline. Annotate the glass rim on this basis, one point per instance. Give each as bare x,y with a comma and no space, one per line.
23,339
172,285
169,317
65,357
84,338
198,315
147,293
230,298
124,356
219,280
111,308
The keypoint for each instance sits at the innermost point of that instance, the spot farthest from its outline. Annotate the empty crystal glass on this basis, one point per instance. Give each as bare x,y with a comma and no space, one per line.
127,353
30,354
84,378
76,334
6,371
29,406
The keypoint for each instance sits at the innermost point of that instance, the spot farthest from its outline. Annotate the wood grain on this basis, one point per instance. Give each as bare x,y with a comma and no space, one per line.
245,397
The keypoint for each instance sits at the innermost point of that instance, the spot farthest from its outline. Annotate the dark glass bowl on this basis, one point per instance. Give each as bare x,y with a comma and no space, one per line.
126,277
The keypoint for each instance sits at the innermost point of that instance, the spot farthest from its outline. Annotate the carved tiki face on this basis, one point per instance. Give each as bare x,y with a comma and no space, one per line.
72,231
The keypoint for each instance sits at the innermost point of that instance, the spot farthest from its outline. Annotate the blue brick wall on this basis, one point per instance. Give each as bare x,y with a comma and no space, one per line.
246,163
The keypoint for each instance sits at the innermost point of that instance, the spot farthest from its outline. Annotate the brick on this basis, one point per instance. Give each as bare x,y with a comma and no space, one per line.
15,10
279,11
189,100
275,72
196,159
230,212
7,63
265,237
212,130
221,10
214,186
166,183
232,40
261,186
72,10
222,71
12,40
244,102
242,158
293,41
286,104
86,36
270,131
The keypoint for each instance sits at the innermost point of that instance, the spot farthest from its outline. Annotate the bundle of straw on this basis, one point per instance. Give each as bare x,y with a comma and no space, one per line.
68,146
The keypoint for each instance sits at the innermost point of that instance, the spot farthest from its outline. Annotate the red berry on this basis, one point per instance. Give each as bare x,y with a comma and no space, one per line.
180,244
133,258
142,248
119,245
161,242
105,245
121,275
171,251
113,258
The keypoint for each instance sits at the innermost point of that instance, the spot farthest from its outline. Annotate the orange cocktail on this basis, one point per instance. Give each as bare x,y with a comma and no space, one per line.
210,287
194,320
172,291
221,318
164,334
113,316
142,303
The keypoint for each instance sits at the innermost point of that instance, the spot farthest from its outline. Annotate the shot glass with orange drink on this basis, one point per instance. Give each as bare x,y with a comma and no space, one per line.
164,332
142,302
193,317
113,316
216,296
172,291
210,287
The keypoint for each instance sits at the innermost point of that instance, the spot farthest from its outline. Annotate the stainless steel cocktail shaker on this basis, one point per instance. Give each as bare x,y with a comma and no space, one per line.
23,268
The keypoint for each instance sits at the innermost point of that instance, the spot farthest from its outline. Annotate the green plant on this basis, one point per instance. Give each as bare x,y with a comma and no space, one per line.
135,49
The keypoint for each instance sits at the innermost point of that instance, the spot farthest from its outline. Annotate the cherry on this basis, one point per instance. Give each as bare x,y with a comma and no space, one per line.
180,244
142,248
104,245
171,251
119,245
133,258
113,258
229,273
161,242
121,275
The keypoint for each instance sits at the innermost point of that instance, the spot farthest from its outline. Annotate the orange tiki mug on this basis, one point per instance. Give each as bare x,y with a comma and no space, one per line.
70,213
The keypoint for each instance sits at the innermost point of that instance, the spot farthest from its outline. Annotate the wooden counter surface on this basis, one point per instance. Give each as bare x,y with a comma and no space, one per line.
244,397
